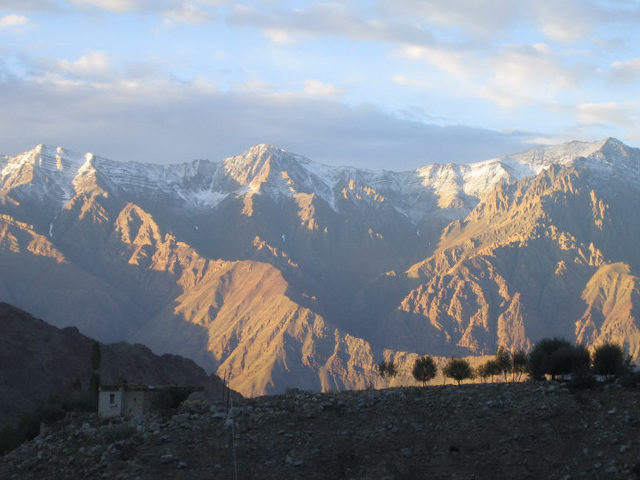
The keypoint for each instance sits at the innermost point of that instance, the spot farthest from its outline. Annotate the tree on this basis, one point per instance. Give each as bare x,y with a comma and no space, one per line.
518,364
493,368
458,369
556,356
503,357
581,360
387,369
424,369
540,358
608,360
481,371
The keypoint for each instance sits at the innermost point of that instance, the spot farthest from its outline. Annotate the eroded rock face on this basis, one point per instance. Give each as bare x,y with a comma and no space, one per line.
528,262
523,430
281,272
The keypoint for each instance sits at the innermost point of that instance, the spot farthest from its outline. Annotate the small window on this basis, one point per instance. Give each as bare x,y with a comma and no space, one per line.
112,398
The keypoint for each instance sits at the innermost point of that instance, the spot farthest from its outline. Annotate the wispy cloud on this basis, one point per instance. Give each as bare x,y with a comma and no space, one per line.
371,74
281,36
625,71
320,89
511,76
171,11
337,19
13,20
117,6
29,5
93,64
168,122
475,19
410,82
608,113
187,13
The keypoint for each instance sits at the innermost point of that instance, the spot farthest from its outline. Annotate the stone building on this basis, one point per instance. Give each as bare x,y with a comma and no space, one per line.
125,400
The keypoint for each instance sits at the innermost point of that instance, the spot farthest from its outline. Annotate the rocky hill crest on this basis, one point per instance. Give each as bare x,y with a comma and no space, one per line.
497,431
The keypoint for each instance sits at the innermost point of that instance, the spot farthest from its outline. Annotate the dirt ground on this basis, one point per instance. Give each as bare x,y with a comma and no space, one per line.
494,431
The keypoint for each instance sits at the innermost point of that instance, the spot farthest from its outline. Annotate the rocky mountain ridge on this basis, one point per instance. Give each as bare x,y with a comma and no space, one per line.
55,175
289,273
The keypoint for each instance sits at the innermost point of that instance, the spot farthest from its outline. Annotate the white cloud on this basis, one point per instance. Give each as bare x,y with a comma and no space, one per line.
187,13
13,20
336,19
320,89
409,82
181,11
625,71
169,122
485,18
511,59
117,6
510,76
605,113
568,21
255,86
277,35
444,58
431,22
527,74
28,5
93,64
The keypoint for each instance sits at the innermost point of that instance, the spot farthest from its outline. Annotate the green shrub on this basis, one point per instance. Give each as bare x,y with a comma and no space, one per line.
387,369
458,369
424,369
481,372
609,360
556,356
503,359
493,368
490,368
580,361
518,364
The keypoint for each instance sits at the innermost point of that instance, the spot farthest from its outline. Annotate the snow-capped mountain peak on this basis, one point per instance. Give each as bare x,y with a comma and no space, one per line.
56,174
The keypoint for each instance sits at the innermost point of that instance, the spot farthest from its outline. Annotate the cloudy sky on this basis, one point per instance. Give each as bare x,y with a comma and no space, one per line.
381,84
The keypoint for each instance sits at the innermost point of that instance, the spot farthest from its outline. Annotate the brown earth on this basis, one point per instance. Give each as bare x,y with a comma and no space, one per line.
493,431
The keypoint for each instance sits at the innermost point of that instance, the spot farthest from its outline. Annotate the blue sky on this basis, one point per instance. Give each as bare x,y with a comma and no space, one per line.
390,84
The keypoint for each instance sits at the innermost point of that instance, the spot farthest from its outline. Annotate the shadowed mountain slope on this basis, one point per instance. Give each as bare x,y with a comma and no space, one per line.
285,272
39,361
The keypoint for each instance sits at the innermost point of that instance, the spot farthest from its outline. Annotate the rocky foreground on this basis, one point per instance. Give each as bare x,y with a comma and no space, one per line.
523,431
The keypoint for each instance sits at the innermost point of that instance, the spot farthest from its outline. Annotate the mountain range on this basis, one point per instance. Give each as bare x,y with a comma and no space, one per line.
288,273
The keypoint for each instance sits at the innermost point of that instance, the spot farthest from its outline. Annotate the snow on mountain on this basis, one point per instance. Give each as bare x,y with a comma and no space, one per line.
46,172
273,273
57,174
604,158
